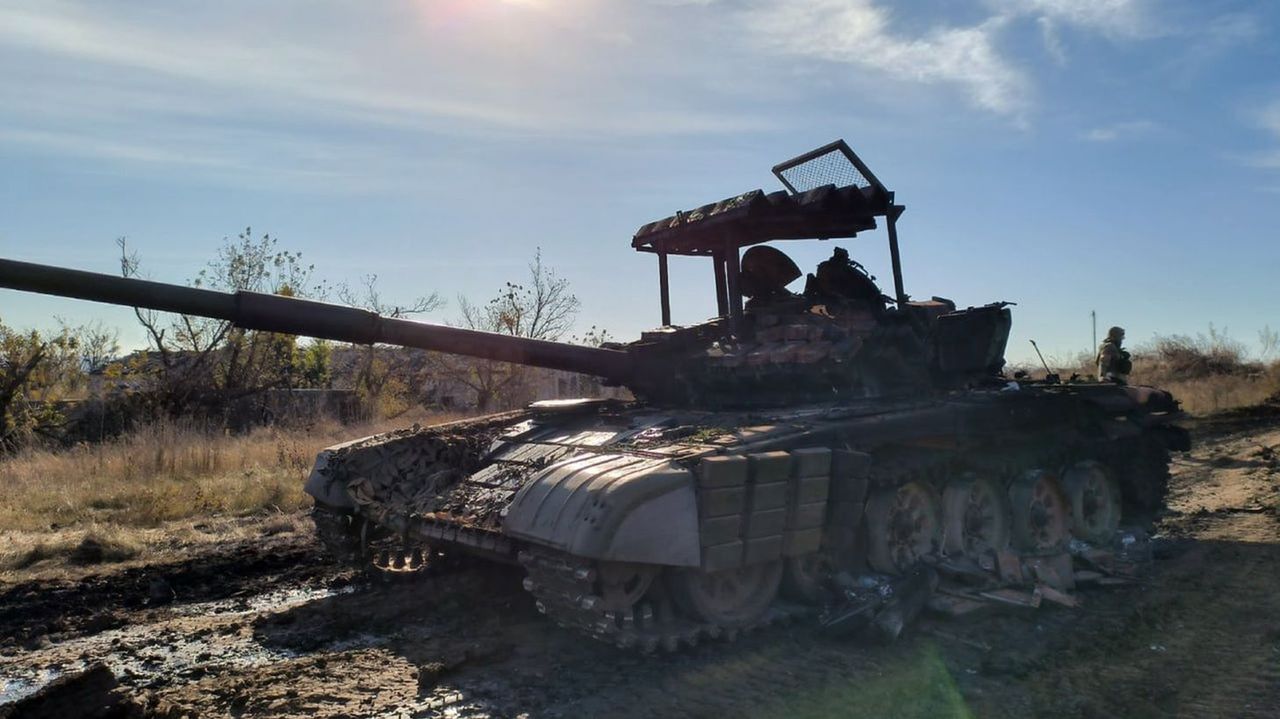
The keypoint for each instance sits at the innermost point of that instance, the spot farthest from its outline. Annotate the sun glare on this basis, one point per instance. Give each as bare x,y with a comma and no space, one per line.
473,12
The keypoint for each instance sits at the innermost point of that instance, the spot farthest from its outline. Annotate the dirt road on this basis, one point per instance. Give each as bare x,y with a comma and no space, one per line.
262,628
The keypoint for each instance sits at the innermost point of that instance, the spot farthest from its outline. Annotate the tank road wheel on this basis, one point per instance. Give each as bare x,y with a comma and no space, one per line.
803,577
1143,473
1095,501
728,598
1041,513
340,535
622,584
903,525
975,514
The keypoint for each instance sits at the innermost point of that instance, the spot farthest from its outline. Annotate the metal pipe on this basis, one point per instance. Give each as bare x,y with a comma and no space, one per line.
664,288
892,223
732,267
722,294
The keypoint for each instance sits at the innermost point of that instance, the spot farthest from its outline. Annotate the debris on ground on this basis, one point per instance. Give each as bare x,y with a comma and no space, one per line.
879,603
910,594
956,586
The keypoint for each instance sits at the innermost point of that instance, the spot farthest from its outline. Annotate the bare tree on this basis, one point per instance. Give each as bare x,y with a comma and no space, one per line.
1268,343
98,344
369,297
204,362
542,308
385,374
593,337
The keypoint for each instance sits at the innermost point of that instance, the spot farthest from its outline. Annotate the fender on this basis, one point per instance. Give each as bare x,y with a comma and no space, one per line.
613,507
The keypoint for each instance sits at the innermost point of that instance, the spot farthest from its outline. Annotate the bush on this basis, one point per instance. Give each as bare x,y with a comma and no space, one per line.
1183,357
1206,373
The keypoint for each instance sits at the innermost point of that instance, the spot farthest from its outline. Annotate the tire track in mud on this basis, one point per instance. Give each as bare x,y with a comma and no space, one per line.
1199,639
438,652
59,609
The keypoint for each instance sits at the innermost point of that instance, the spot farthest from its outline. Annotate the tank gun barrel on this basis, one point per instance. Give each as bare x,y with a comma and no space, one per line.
310,318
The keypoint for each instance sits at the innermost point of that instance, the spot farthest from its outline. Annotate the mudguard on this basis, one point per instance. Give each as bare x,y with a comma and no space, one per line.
613,507
323,487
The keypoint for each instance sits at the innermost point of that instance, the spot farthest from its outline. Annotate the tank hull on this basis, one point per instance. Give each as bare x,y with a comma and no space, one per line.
620,512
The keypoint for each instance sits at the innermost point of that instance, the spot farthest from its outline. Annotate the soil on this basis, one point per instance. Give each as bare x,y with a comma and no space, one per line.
263,627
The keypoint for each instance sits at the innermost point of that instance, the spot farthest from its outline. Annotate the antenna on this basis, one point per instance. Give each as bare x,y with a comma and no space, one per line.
1049,375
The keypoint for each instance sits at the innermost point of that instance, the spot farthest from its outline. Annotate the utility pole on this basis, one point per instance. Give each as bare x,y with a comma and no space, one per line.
1093,314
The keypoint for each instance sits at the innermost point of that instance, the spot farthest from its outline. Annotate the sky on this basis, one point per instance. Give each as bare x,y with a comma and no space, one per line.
1117,156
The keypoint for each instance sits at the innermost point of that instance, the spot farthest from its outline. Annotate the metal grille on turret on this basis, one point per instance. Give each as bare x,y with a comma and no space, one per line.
833,164
831,168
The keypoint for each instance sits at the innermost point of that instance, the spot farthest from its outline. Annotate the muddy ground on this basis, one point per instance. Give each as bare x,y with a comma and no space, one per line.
263,628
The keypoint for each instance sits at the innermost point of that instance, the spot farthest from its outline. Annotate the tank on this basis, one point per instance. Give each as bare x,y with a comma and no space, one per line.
795,435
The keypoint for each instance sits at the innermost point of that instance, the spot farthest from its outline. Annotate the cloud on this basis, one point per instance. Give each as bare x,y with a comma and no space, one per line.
245,158
1121,130
858,32
1265,160
1267,119
208,90
1052,41
152,86
337,76
1115,18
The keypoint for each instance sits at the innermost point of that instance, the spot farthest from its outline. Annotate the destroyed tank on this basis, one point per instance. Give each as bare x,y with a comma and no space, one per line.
793,436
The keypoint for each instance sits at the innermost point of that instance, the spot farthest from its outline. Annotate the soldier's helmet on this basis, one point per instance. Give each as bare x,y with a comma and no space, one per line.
1115,333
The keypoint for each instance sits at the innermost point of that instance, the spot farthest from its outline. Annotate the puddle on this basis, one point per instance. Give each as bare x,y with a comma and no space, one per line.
12,689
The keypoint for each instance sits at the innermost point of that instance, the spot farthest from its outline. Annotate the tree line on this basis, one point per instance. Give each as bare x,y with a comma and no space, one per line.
196,367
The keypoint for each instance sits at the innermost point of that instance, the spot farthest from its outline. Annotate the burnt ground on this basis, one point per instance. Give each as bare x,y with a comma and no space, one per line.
264,628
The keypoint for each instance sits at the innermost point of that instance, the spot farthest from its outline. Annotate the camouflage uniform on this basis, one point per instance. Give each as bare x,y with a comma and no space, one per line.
1113,361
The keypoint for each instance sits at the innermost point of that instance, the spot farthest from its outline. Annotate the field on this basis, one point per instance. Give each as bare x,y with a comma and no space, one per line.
185,562
121,500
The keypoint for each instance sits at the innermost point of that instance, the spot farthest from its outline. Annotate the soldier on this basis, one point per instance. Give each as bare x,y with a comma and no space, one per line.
841,279
1113,361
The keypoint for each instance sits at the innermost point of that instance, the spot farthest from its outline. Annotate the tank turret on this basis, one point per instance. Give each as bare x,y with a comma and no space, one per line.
840,338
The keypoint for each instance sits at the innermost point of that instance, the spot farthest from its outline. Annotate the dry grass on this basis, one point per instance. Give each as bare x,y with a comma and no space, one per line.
95,546
1207,373
1221,392
168,472
76,551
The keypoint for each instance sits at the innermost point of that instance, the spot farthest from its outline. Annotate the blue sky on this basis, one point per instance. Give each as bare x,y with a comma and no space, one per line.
1070,155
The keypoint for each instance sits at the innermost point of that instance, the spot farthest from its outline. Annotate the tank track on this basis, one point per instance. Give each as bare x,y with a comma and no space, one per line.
345,538
1146,463
339,539
1143,462
564,588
